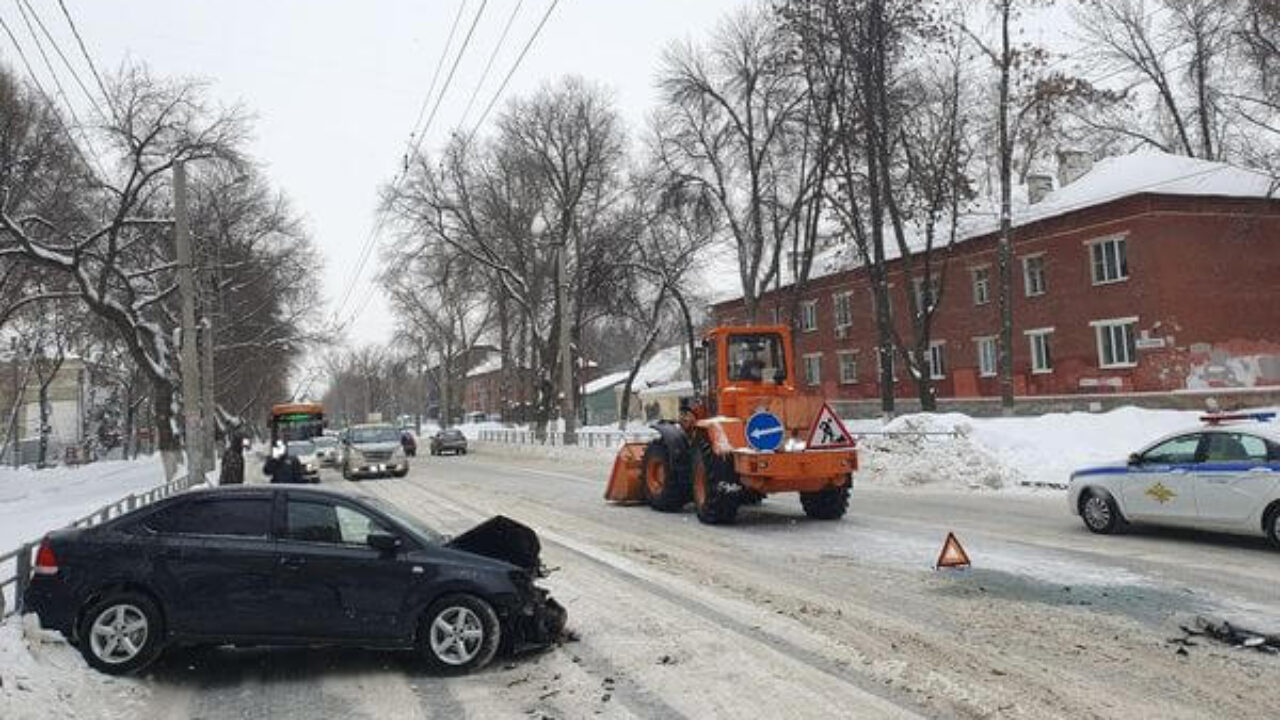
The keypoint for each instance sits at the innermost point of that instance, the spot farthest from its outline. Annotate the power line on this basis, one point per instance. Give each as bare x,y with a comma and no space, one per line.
65,61
524,51
489,65
449,80
435,76
93,68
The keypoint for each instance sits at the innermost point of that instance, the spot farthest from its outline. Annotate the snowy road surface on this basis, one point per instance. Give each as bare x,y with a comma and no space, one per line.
783,617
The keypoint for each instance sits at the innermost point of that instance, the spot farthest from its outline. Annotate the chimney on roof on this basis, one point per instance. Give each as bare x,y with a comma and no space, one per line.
1037,187
1072,164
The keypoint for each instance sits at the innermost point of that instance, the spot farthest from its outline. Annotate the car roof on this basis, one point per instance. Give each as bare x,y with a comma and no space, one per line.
362,426
266,489
1262,428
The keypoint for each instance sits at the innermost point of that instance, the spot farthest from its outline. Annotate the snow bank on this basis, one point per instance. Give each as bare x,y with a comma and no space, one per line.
32,502
41,676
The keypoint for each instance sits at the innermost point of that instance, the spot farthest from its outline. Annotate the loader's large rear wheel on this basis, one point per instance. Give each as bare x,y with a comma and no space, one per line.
665,487
716,492
828,504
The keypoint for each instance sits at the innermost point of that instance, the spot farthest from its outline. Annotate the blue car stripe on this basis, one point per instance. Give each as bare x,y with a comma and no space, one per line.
1190,467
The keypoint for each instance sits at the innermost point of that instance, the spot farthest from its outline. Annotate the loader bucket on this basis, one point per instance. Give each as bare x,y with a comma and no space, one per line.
626,482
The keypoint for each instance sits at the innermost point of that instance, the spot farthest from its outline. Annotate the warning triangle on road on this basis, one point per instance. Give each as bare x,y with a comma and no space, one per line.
952,554
828,431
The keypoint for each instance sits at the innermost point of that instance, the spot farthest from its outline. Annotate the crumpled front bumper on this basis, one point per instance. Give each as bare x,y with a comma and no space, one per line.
539,622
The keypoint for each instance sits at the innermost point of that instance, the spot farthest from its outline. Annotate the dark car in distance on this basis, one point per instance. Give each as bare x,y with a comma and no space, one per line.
449,440
291,565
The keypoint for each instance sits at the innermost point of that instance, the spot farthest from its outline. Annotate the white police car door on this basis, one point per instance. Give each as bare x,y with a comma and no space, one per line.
1161,486
1235,480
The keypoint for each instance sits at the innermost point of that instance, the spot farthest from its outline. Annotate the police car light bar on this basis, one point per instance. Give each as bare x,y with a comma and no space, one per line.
1219,418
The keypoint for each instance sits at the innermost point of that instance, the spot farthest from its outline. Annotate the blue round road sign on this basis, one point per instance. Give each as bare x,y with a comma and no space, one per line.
765,431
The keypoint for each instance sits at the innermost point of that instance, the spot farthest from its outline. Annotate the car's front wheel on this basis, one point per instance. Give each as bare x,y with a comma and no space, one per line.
121,633
460,633
1099,512
1272,525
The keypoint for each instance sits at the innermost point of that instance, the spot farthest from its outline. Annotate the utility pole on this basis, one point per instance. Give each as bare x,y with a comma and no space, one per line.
206,391
193,442
566,349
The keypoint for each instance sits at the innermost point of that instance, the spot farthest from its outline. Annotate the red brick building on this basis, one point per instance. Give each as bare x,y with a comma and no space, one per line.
1146,273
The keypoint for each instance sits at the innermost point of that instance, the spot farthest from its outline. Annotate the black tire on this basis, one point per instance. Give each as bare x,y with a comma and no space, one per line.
828,504
463,451
716,491
1271,523
1099,512
105,636
461,613
666,484
401,473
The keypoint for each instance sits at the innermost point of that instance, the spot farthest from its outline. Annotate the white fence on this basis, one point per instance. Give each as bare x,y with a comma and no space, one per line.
15,565
606,439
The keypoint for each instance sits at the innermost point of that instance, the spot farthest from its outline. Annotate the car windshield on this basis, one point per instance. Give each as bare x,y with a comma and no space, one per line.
301,448
385,434
324,442
411,523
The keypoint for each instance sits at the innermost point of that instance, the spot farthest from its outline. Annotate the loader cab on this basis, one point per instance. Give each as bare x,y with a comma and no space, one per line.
742,362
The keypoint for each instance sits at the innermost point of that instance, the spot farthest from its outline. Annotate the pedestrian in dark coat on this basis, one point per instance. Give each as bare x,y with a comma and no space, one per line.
282,467
233,461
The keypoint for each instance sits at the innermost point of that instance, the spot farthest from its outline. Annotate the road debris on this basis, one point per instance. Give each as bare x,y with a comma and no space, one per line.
1225,632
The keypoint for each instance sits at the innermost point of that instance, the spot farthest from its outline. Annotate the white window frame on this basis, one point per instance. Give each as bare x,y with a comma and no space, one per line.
1101,326
852,356
842,303
815,378
1037,365
938,356
985,285
1118,241
1026,276
808,315
978,343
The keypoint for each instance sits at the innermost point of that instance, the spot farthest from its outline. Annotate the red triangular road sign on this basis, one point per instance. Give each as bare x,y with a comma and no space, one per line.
952,554
828,431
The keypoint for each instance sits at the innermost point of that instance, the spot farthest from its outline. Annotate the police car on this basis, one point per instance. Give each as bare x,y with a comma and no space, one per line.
1223,475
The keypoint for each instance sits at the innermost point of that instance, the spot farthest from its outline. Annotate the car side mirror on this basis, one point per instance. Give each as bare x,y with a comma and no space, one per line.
385,543
1135,459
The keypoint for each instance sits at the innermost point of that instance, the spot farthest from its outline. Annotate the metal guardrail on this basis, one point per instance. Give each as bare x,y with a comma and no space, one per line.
21,558
612,439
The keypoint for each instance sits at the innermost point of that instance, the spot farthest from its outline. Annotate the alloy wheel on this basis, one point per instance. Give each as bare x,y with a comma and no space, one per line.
456,635
118,634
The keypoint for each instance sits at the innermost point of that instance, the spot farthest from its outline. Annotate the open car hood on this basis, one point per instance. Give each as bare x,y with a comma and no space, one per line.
502,538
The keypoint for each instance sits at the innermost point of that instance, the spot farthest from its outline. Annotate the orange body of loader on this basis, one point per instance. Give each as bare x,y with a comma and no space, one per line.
705,457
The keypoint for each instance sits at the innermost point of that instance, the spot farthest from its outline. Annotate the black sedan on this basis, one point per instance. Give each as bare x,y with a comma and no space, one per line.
287,565
449,440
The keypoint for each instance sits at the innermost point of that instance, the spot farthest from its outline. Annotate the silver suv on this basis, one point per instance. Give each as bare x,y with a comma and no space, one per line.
373,450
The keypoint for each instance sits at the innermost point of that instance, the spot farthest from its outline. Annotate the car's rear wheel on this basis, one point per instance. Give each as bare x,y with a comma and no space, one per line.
460,633
1099,512
827,504
121,633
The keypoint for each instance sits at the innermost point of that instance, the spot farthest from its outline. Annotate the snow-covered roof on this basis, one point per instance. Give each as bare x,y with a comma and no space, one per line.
490,364
677,388
1110,179
602,383
663,367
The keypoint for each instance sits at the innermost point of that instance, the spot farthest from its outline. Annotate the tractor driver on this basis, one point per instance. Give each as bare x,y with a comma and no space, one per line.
750,366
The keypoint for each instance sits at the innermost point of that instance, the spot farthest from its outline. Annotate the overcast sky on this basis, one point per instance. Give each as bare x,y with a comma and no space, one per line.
336,85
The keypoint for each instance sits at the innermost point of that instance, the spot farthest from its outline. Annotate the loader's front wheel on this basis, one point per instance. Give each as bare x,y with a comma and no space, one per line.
716,492
828,504
666,489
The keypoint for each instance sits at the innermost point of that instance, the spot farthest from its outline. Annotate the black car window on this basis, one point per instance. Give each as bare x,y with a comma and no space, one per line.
1235,447
1178,451
243,517
318,521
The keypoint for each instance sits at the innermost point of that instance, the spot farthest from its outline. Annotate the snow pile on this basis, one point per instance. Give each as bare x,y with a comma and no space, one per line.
41,676
32,502
913,458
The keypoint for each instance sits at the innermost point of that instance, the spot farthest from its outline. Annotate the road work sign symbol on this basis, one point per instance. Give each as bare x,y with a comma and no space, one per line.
952,554
828,431
765,431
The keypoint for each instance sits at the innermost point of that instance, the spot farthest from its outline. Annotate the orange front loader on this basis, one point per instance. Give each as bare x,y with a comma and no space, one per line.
706,456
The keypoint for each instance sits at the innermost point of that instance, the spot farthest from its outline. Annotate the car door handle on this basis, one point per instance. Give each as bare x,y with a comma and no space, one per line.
292,563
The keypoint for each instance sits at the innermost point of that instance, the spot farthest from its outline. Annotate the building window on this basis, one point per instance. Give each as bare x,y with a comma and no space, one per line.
809,315
937,360
843,303
981,285
1115,342
848,367
883,355
813,369
1033,275
986,356
1041,355
926,294
1110,261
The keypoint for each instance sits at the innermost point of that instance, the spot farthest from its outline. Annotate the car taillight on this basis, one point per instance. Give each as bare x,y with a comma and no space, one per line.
46,561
